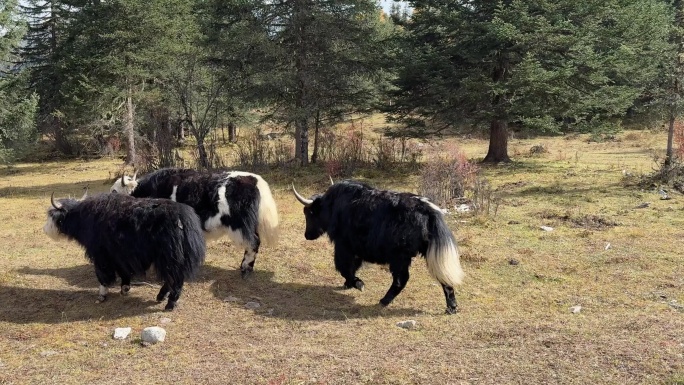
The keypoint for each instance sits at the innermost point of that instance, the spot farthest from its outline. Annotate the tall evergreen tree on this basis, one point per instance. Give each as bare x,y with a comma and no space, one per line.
540,64
305,58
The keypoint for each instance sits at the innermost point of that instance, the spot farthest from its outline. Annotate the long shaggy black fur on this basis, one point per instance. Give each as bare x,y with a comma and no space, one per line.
384,227
125,236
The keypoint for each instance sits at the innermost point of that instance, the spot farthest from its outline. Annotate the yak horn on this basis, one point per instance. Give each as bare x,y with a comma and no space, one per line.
52,200
123,184
331,181
85,194
135,174
301,199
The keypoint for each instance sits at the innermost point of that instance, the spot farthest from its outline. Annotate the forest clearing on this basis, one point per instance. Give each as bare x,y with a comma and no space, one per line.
619,262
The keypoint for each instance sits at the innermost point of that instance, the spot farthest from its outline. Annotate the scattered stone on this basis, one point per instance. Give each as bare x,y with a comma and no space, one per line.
153,334
513,262
408,324
231,298
576,309
664,195
643,205
607,246
463,208
673,303
121,333
513,222
48,353
104,344
546,228
252,305
145,344
165,320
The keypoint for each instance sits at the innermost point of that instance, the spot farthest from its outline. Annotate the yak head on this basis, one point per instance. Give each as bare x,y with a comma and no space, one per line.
313,212
125,184
53,227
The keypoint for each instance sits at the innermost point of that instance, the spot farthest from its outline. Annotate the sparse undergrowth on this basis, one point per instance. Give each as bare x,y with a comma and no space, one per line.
620,263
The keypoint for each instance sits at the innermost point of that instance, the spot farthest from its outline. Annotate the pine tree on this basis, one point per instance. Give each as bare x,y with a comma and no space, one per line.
539,65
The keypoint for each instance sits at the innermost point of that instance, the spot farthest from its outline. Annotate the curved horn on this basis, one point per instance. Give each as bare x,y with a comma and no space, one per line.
301,199
52,200
123,184
85,194
331,181
135,174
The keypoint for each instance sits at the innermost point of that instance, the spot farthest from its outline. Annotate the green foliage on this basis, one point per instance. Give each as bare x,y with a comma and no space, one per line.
17,106
546,65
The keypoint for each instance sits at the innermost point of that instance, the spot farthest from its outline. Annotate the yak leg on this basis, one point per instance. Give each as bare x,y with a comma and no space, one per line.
174,295
163,292
106,276
347,264
125,283
452,306
400,276
247,265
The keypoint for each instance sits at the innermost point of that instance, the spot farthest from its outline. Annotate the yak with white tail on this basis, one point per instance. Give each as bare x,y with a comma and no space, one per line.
233,203
384,227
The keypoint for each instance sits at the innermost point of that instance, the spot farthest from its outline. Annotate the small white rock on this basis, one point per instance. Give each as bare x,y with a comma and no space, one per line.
463,208
547,228
231,298
121,333
48,353
165,320
408,324
153,334
576,309
607,246
252,305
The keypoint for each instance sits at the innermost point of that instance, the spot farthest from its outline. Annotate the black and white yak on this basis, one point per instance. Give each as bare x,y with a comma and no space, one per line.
237,204
384,227
124,236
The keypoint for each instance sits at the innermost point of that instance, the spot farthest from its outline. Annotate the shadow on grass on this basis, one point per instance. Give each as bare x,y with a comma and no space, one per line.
23,305
298,301
294,301
61,190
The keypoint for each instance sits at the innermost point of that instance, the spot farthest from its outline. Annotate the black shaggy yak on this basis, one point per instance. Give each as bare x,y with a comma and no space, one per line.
384,227
125,236
235,203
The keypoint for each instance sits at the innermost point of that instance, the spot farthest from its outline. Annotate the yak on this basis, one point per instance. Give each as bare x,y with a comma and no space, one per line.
125,236
387,228
238,204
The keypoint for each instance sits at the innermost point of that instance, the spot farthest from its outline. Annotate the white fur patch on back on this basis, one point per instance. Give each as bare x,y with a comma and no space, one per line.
434,206
173,194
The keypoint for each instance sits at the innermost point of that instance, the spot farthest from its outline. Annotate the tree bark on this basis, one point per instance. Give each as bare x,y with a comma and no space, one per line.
498,142
317,126
202,153
232,132
303,128
129,128
669,153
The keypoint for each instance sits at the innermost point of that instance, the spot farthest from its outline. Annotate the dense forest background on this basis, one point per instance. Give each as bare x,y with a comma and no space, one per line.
144,77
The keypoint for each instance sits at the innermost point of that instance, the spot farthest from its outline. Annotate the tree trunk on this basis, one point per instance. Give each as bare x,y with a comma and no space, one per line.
232,132
498,142
669,153
317,126
203,159
303,128
129,128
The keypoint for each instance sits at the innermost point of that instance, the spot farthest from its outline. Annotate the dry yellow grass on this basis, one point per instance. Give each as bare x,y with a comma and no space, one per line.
515,325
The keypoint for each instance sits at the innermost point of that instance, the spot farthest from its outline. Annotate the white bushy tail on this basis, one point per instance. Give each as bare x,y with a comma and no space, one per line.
268,214
442,257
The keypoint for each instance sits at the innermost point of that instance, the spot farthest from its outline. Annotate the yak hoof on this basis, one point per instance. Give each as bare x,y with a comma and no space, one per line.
244,273
451,310
359,285
125,289
385,302
100,298
170,306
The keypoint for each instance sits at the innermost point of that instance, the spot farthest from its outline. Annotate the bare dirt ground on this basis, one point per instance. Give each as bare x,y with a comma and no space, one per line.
622,264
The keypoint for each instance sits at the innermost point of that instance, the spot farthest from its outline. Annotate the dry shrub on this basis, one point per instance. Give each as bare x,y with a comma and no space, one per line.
256,152
538,150
445,178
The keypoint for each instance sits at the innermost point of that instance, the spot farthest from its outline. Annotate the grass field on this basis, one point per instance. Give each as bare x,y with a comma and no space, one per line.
623,265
